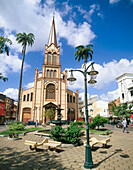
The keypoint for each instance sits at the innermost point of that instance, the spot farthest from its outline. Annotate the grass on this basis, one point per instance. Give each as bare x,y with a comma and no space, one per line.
99,131
45,131
7,132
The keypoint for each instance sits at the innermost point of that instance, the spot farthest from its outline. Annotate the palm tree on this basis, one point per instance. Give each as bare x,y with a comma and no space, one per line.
3,78
83,52
4,47
24,39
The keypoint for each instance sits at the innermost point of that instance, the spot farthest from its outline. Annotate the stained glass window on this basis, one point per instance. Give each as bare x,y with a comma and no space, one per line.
50,91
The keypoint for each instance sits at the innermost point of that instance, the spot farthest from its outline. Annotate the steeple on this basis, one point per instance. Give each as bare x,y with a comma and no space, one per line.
52,36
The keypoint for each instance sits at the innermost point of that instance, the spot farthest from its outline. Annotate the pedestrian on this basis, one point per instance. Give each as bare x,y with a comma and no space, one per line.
36,123
125,126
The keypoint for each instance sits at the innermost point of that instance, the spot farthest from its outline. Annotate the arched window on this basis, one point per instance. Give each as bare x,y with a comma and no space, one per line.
24,98
54,73
47,73
31,97
50,91
28,97
54,58
51,73
49,58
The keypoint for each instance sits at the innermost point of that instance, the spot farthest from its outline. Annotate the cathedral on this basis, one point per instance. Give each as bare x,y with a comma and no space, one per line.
50,88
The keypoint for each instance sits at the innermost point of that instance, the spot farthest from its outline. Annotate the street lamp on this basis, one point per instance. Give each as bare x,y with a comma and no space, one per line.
88,156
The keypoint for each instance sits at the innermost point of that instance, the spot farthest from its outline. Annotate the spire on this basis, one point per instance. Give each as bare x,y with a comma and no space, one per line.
52,36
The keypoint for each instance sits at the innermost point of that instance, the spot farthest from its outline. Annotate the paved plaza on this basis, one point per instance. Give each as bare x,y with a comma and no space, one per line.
117,156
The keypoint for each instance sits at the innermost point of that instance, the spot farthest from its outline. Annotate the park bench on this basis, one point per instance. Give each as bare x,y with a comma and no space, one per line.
104,142
52,144
34,145
46,142
93,141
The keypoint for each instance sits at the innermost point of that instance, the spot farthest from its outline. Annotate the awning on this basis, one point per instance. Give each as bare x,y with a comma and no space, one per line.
2,109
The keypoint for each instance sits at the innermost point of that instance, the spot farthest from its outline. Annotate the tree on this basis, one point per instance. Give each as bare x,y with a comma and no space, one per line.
4,48
99,121
83,52
3,45
3,78
49,113
23,39
123,110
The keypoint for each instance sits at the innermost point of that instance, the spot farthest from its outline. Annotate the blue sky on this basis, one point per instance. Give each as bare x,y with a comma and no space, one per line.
107,24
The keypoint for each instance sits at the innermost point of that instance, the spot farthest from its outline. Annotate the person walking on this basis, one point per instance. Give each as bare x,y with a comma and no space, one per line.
36,123
125,126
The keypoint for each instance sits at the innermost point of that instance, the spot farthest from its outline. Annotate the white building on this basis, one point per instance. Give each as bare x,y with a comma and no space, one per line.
125,84
100,107
90,105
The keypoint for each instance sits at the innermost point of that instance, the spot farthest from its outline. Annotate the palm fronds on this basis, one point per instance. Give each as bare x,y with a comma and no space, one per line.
83,52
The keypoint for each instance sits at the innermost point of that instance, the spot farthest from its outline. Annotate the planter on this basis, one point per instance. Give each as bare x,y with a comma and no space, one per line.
104,135
66,145
14,138
43,134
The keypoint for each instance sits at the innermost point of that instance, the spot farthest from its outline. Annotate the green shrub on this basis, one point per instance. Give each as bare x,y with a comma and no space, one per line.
72,133
79,123
99,121
57,132
92,125
15,122
16,126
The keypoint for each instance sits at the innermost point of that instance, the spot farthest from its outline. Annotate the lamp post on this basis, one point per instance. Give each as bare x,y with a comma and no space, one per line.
88,156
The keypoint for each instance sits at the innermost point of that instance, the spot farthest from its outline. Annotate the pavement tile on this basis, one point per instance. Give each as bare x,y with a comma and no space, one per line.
119,154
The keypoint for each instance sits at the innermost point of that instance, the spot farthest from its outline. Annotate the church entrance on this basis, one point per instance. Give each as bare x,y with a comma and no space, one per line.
71,114
49,112
26,114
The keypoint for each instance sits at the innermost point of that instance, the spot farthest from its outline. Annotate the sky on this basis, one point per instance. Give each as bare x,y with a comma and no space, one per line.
107,24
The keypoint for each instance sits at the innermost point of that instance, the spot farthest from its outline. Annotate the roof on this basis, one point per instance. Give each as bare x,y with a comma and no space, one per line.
52,36
49,105
124,75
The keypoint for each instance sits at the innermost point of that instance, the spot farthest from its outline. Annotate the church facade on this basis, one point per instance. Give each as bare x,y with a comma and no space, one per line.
50,88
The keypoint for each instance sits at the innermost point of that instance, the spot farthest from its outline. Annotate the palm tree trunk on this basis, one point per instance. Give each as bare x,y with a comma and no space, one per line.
20,84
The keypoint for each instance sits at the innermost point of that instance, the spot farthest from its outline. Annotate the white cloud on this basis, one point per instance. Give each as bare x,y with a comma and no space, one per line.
29,85
88,14
82,96
113,1
74,34
66,9
100,15
14,46
12,93
11,63
31,16
111,95
107,73
50,2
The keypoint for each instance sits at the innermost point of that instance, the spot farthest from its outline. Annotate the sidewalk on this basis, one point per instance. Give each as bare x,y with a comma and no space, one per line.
117,156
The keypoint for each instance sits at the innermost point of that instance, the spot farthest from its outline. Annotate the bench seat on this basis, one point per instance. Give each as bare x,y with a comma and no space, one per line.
45,142
93,141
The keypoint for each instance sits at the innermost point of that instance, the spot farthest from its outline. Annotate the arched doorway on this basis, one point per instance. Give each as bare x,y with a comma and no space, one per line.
71,114
47,108
26,114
